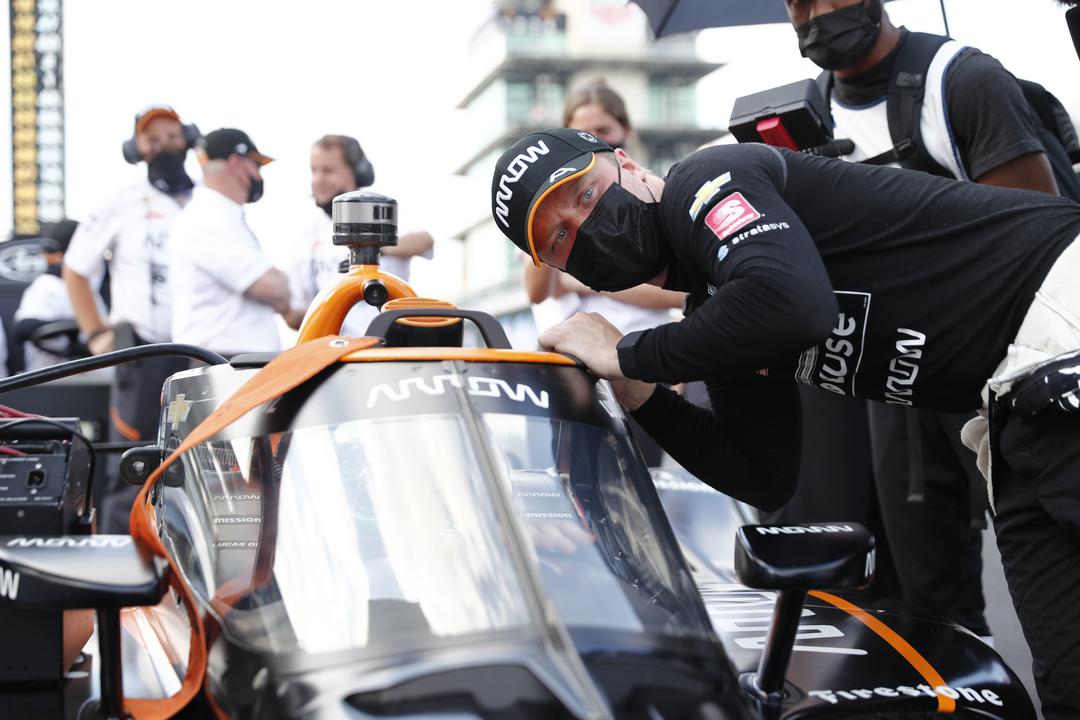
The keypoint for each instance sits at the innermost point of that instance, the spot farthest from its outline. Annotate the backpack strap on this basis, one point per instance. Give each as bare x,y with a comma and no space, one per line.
907,90
825,83
1053,116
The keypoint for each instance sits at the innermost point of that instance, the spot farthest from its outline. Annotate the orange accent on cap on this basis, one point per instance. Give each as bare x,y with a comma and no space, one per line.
152,114
260,158
914,657
536,203
422,322
422,354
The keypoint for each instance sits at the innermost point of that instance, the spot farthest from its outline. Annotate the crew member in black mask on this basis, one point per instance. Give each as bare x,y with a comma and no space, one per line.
226,291
866,282
974,123
130,233
339,165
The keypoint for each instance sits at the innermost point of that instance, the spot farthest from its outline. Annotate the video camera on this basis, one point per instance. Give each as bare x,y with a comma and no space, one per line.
794,116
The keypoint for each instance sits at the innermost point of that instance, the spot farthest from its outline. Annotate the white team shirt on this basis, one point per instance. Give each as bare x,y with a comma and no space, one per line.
317,268
47,299
868,126
215,259
134,229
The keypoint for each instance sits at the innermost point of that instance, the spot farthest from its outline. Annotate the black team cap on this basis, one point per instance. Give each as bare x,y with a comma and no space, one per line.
530,170
220,144
55,237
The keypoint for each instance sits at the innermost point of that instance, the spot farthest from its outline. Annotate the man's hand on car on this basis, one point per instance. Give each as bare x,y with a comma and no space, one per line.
591,339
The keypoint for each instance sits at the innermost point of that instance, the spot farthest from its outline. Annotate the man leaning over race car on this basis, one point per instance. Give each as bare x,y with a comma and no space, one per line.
869,282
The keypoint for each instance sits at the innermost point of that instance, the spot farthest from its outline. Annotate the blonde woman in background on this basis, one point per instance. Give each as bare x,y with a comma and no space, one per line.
597,109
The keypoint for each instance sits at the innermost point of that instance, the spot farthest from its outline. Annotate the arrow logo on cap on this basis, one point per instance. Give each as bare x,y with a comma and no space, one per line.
559,173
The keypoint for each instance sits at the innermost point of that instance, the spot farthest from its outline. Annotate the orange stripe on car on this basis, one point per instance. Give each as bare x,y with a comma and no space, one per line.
932,677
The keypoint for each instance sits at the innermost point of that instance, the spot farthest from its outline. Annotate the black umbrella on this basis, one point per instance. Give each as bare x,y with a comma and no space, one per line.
668,17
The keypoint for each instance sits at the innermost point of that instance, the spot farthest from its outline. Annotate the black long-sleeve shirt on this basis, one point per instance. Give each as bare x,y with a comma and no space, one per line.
872,282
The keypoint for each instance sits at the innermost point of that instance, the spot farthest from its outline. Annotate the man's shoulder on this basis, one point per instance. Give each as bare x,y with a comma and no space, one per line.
726,156
973,62
210,208
122,198
191,220
719,165
43,284
973,73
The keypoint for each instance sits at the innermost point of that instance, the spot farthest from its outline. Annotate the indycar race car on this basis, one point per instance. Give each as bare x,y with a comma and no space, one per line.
399,526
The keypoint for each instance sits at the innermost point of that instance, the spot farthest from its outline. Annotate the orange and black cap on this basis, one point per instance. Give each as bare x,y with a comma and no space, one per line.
220,144
152,112
530,170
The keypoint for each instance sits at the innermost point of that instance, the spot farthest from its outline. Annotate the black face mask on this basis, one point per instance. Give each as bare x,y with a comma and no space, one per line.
840,39
621,244
54,269
166,173
255,190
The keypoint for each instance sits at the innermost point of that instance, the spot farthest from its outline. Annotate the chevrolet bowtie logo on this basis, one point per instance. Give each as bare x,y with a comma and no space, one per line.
706,193
178,411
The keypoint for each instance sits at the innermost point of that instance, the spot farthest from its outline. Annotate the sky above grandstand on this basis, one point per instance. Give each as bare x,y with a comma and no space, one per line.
390,73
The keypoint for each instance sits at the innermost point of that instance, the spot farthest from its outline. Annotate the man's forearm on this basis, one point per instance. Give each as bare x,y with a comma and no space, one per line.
650,296
721,338
272,288
411,245
757,464
1027,172
539,282
83,302
294,318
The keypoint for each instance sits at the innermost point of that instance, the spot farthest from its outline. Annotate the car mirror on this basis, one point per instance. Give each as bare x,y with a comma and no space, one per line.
802,557
77,571
103,572
793,559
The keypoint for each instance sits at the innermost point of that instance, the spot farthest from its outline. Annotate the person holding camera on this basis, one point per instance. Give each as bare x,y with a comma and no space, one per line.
339,165
965,117
130,235
861,281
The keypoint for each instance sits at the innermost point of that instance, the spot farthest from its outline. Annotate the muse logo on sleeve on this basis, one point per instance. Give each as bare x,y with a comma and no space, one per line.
833,364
